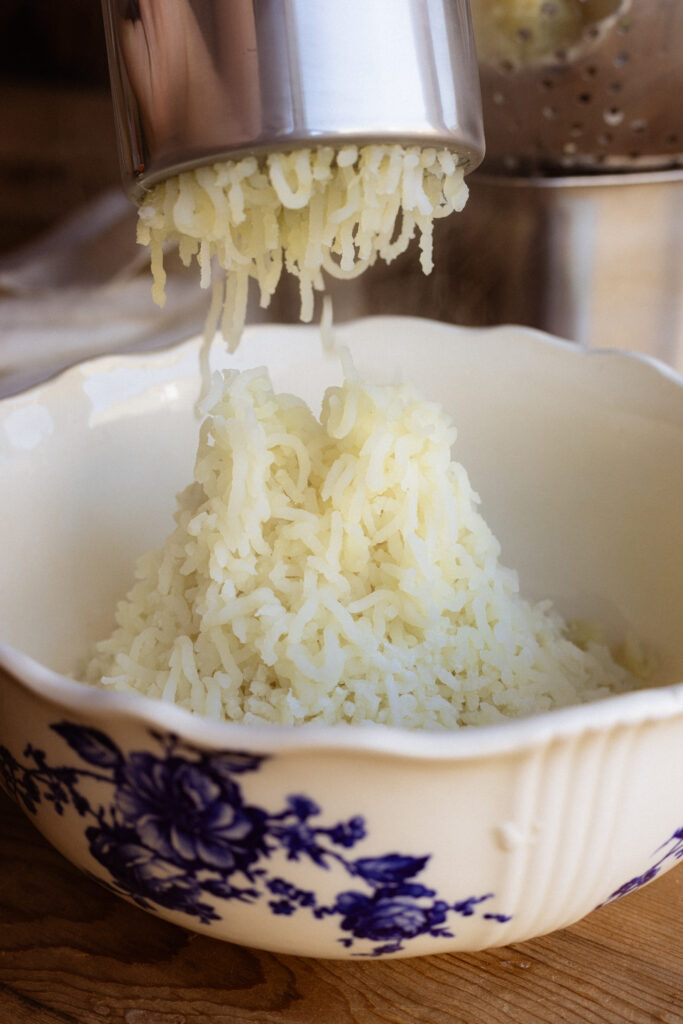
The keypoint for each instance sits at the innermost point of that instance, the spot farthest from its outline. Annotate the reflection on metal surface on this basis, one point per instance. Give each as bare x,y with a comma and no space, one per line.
194,81
594,259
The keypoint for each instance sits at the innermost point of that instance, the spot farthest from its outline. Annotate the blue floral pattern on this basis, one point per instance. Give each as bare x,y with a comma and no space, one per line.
179,829
671,850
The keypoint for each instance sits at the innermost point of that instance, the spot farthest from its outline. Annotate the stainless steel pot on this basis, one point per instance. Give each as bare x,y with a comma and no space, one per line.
596,259
199,80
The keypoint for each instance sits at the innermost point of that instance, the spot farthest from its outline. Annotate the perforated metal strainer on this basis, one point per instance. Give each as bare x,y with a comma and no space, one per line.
581,85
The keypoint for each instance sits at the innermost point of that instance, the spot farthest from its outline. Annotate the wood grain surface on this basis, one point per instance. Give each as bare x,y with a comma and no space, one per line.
72,953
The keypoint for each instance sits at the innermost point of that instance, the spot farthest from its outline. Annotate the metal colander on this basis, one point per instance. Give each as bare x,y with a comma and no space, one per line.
581,85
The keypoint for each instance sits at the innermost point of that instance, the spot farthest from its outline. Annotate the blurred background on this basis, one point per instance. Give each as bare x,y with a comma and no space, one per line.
73,281
57,143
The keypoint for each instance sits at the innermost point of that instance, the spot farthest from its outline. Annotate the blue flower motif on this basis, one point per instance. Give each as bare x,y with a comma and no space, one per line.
348,833
295,833
143,874
389,915
281,887
188,814
177,829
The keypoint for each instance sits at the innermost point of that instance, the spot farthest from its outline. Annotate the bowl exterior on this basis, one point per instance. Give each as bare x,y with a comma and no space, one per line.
338,853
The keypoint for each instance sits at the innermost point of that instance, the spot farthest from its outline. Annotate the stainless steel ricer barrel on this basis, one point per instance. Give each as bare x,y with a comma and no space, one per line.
196,81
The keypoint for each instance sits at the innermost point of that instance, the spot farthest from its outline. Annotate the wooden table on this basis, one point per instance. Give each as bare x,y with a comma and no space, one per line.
72,953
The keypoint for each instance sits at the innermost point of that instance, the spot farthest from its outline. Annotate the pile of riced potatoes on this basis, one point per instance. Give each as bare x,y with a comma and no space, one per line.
310,212
338,570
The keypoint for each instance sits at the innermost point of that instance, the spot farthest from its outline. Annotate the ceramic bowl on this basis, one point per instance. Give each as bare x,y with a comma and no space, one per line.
342,841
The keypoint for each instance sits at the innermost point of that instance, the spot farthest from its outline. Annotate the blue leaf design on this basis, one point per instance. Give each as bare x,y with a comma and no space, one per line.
90,744
467,907
177,828
672,849
234,762
390,870
413,889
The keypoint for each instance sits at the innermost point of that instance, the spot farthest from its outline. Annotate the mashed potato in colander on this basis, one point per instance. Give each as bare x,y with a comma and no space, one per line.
522,32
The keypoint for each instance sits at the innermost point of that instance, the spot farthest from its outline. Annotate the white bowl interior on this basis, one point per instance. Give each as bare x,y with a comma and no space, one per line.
577,458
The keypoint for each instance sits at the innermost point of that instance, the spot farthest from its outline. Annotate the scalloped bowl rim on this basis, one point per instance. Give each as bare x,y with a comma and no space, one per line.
175,351
639,706
502,738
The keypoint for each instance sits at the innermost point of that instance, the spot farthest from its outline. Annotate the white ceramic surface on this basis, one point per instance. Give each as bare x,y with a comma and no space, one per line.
344,842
